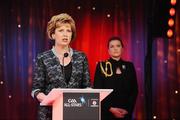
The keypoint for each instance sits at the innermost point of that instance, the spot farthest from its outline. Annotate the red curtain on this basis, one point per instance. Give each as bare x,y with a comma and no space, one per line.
166,74
23,35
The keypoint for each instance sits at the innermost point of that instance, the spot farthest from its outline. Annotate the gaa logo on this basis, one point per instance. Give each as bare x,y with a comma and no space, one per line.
72,101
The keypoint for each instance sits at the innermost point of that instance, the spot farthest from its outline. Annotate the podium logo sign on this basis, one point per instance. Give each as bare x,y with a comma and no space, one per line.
94,103
74,102
77,106
81,102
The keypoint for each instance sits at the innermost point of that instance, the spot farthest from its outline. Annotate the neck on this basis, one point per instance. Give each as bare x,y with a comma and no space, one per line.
60,50
116,58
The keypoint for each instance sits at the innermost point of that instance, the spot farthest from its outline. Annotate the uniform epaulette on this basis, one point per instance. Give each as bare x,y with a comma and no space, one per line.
104,69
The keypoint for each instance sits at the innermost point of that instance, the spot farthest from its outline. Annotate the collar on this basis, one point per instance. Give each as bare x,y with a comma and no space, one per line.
70,51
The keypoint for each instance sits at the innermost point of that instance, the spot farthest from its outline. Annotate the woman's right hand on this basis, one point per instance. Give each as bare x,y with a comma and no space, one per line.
40,96
118,112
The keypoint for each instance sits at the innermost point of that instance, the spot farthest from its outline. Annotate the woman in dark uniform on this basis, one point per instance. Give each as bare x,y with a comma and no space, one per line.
120,76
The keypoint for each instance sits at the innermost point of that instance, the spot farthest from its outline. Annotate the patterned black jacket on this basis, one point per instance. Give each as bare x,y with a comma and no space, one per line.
48,75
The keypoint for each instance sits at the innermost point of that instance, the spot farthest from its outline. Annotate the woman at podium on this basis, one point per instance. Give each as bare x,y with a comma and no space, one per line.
60,67
119,75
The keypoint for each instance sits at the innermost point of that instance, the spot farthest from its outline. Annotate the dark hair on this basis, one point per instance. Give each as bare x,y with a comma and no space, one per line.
115,38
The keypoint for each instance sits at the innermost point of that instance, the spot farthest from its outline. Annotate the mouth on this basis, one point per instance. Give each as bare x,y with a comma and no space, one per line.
64,39
116,52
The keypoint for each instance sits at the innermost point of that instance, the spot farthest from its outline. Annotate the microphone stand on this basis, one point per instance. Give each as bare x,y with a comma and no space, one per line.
65,55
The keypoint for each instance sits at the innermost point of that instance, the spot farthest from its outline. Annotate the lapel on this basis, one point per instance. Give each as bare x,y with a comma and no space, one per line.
59,73
73,74
73,77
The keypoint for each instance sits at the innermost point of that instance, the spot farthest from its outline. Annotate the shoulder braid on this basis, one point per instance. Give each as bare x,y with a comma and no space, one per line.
105,70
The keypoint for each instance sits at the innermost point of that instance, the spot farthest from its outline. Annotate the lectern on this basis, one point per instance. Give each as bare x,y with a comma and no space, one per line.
76,104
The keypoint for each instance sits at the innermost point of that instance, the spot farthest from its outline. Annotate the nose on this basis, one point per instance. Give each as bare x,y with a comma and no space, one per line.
64,33
115,48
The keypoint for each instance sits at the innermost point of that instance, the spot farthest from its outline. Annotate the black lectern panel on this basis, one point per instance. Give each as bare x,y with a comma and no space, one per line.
81,106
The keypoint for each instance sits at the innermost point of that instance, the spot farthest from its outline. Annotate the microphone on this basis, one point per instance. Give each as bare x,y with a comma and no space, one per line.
65,55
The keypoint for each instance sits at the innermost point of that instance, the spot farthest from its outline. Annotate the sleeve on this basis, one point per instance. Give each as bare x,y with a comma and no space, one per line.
38,77
98,83
86,75
134,89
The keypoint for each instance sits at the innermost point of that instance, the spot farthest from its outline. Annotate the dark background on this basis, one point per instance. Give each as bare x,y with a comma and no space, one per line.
142,25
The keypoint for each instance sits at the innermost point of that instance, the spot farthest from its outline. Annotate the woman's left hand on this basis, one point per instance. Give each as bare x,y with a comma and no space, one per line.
118,112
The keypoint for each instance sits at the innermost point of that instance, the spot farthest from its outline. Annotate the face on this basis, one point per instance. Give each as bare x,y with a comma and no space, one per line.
62,35
115,49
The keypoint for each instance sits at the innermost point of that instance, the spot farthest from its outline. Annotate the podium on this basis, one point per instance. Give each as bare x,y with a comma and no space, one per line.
76,104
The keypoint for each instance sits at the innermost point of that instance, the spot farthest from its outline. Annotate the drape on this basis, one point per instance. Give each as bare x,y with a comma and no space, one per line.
23,35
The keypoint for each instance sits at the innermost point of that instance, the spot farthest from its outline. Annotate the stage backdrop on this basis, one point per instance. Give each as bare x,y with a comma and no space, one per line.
23,36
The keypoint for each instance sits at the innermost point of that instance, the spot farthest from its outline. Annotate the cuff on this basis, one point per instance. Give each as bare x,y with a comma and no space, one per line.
35,92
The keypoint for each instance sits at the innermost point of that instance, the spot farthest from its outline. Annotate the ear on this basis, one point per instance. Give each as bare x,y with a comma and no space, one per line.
53,36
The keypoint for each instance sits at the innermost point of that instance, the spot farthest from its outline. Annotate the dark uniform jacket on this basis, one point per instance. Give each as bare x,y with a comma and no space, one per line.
124,85
48,75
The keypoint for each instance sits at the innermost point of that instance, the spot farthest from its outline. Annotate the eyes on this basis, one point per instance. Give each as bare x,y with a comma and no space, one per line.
65,30
115,46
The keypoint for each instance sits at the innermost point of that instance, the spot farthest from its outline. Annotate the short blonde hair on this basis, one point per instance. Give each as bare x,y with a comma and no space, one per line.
56,20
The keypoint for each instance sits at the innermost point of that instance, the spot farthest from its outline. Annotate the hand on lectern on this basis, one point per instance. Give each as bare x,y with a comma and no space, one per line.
88,88
118,112
40,96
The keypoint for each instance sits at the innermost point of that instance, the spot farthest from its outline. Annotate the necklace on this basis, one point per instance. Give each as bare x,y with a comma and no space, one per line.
61,55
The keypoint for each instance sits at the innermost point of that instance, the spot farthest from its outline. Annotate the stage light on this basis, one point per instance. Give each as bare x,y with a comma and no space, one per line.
178,50
1,82
165,61
10,96
172,11
79,7
171,22
108,15
93,8
171,19
176,92
19,26
173,2
169,33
